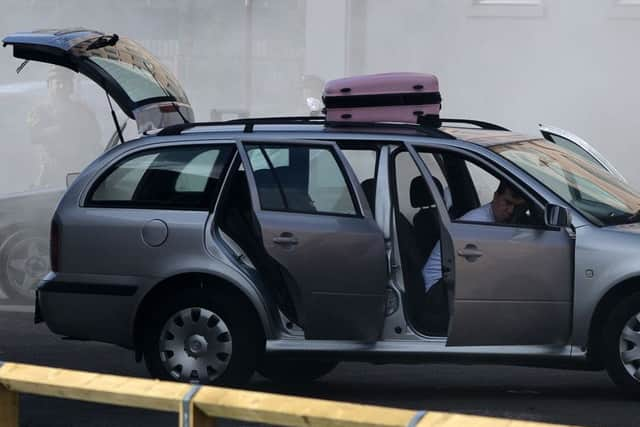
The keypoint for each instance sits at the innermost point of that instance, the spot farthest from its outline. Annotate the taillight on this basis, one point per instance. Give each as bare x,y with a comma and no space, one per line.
54,245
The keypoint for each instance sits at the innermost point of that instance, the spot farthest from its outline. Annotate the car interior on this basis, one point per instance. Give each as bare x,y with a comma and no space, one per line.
462,185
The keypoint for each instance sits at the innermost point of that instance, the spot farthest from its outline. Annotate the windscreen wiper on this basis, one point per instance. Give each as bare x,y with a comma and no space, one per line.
103,41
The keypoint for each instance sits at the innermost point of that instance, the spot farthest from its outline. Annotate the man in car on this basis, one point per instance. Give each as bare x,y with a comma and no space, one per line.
499,210
65,129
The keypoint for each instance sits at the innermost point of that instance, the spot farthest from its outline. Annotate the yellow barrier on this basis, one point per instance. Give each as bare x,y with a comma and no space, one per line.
199,406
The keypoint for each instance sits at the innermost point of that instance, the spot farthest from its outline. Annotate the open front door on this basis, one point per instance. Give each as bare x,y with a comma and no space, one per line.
509,283
316,226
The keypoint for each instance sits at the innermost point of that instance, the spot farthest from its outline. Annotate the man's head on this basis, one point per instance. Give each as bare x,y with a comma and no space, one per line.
60,82
505,200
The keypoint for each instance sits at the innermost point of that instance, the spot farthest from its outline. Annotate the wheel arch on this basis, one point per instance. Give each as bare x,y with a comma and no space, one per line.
175,283
606,304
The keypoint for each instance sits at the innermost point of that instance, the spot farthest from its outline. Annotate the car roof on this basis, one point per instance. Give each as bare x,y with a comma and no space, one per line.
486,138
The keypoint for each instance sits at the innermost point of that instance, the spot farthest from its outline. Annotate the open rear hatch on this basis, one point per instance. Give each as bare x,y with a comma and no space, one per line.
143,88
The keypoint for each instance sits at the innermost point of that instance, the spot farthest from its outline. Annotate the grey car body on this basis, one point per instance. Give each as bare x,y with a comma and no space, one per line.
546,308
248,268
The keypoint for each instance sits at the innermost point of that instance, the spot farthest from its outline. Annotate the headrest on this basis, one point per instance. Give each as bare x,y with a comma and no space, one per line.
369,188
419,193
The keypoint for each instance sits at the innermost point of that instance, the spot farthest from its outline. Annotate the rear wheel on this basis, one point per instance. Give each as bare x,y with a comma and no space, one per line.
622,344
285,370
202,336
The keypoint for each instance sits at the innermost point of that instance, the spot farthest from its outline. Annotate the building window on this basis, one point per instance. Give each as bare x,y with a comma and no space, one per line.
507,8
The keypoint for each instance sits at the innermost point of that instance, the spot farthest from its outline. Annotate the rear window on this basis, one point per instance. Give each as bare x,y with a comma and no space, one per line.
167,178
139,74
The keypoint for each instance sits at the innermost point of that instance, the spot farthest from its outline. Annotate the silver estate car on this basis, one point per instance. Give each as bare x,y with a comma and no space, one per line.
287,245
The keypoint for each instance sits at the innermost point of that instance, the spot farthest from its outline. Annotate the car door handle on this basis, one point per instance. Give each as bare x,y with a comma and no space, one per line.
285,239
470,252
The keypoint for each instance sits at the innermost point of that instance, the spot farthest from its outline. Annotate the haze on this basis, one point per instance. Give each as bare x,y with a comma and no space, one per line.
567,63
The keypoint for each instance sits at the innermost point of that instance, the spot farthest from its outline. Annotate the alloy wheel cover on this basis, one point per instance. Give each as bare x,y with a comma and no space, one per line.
195,345
629,346
27,263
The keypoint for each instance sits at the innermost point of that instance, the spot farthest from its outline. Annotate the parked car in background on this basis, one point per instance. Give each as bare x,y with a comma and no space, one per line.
25,220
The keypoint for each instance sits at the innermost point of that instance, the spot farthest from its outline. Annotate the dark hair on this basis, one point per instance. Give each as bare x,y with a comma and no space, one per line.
504,186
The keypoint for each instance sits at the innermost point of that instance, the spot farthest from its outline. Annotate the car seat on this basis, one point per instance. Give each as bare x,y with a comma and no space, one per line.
426,221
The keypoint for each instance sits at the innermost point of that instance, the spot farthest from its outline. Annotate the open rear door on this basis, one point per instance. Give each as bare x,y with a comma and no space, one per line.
317,229
143,88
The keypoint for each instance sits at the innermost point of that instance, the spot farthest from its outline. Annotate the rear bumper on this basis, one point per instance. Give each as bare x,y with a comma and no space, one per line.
98,312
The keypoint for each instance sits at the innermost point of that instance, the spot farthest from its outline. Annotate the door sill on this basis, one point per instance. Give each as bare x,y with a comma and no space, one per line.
433,350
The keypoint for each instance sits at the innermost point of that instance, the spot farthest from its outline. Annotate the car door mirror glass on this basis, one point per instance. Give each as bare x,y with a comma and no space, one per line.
557,216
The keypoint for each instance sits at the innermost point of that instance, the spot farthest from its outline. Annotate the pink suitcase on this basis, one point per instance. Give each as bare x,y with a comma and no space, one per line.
388,97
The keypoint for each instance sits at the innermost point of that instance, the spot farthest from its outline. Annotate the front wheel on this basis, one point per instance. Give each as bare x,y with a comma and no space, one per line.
622,344
202,336
284,370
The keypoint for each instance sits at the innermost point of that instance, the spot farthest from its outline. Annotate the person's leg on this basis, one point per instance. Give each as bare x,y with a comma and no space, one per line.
436,310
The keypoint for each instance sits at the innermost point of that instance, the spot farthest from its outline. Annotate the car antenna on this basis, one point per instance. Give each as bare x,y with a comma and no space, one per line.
166,92
115,118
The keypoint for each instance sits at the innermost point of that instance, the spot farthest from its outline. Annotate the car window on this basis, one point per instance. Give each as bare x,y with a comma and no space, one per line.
174,178
363,163
472,185
485,183
601,197
195,175
310,181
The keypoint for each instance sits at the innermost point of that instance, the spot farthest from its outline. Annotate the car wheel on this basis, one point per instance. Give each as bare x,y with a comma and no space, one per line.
24,261
622,344
202,336
285,370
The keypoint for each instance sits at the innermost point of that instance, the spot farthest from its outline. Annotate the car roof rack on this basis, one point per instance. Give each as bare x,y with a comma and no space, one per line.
249,123
478,123
428,131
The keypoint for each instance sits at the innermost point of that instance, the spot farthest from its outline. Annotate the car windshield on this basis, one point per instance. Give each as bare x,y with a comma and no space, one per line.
599,196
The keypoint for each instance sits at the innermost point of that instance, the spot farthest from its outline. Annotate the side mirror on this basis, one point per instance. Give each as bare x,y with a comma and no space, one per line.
557,216
71,177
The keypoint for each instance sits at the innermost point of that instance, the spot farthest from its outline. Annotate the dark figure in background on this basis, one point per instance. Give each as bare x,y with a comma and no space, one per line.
64,129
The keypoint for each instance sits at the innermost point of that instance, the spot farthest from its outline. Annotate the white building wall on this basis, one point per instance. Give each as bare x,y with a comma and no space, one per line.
569,63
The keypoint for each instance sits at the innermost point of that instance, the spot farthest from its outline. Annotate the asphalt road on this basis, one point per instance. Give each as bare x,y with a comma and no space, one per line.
556,396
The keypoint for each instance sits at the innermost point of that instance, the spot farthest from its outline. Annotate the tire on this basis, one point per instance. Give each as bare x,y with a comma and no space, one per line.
24,261
219,341
294,371
621,340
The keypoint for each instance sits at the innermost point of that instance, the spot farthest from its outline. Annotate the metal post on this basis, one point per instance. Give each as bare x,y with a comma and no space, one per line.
8,408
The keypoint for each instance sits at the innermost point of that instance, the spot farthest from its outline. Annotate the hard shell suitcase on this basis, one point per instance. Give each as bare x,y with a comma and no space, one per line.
388,97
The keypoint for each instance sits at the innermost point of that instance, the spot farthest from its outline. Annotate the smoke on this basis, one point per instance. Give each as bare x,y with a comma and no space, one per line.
557,63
